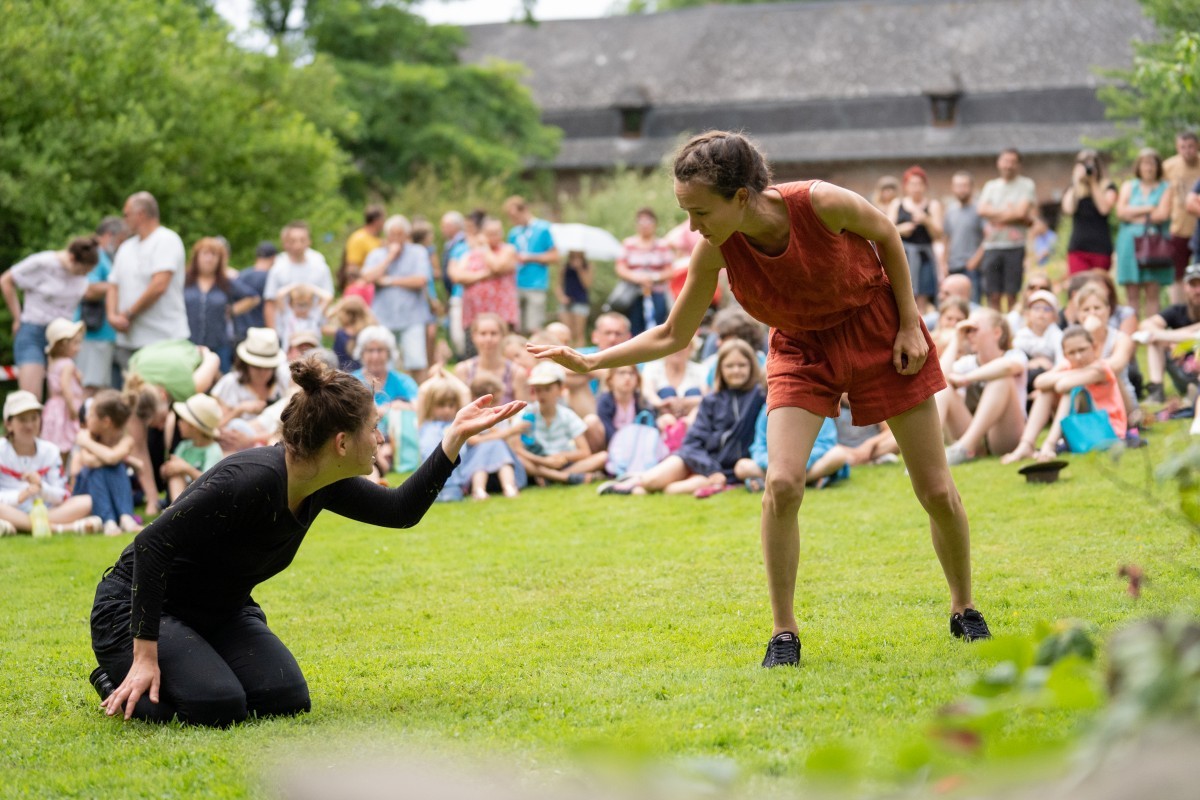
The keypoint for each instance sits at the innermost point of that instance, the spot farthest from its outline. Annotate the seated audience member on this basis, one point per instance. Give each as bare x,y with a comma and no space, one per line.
395,392
867,444
348,317
729,324
197,421
487,335
622,402
1114,346
828,461
514,350
674,385
1082,367
1039,338
955,285
558,332
31,468
254,382
1172,326
553,446
719,438
1034,282
951,312
104,451
983,404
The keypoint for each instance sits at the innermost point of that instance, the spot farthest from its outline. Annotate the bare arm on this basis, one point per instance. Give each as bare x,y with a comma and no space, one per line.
1072,378
994,370
158,286
662,340
1192,204
9,289
107,455
1162,211
1106,200
96,292
1068,202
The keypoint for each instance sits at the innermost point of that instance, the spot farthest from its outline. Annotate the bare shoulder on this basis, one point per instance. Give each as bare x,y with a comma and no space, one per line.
840,209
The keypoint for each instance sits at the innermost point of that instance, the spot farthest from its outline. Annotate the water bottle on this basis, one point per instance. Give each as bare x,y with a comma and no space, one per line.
39,519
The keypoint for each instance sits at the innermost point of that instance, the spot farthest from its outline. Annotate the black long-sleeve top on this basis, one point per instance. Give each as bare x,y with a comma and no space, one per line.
232,529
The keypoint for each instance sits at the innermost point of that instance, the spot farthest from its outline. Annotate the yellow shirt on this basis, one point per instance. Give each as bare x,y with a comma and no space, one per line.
359,245
1182,178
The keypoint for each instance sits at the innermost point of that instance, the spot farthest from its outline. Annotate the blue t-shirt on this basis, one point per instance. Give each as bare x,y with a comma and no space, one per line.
458,251
398,386
532,238
99,274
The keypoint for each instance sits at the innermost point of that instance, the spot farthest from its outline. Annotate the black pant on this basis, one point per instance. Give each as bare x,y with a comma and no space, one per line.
218,678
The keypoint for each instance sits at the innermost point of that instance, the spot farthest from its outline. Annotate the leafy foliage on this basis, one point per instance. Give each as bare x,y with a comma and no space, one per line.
225,139
1160,94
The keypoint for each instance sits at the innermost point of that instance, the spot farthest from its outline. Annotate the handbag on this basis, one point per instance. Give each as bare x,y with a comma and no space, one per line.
93,314
1088,430
1152,250
622,298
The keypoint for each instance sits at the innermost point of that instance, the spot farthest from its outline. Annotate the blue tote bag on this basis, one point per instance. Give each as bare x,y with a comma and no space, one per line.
1088,430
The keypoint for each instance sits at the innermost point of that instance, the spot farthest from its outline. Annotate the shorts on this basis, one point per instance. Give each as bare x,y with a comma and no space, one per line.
1003,269
29,345
578,309
413,353
533,309
1181,254
1082,261
811,369
95,361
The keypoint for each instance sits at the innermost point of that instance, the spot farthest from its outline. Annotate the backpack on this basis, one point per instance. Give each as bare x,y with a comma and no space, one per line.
636,448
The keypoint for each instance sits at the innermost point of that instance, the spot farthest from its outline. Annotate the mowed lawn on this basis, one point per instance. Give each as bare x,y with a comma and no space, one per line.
562,623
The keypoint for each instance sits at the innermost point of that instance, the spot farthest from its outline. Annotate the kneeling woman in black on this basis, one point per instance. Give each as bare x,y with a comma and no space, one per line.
174,623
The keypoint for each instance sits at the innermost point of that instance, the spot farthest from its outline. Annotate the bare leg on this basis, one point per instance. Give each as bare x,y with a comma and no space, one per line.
791,433
828,464
1156,362
998,419
747,468
595,433
145,474
661,475
175,486
1152,292
508,481
32,378
688,485
205,375
917,433
953,413
1049,447
593,463
1133,296
19,519
479,485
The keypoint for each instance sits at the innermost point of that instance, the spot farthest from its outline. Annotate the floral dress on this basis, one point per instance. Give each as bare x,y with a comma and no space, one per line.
497,294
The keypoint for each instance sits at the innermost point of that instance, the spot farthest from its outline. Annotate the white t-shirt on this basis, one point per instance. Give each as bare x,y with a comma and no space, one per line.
971,363
654,377
558,434
136,263
1048,345
284,272
51,290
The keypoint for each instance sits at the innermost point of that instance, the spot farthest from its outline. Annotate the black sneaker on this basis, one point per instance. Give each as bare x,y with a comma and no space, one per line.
1155,393
102,683
783,650
969,626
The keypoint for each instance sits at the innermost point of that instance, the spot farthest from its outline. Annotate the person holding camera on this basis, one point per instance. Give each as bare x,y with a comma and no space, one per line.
1088,202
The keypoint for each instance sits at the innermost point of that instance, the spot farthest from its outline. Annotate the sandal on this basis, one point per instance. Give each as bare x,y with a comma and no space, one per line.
708,491
7,528
755,485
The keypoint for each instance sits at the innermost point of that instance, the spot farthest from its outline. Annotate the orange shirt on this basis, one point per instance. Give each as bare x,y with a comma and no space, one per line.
1106,396
817,282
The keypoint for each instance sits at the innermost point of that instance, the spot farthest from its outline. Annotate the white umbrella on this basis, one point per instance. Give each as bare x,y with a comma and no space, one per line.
595,243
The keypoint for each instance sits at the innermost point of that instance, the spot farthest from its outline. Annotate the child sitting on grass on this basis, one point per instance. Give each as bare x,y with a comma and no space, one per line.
198,451
31,468
555,448
1039,338
622,403
1084,367
719,438
104,452
828,462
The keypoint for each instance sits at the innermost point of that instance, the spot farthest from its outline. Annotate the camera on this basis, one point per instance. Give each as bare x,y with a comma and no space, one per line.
1089,169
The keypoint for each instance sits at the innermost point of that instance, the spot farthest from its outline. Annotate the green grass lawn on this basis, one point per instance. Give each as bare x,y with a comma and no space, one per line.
563,625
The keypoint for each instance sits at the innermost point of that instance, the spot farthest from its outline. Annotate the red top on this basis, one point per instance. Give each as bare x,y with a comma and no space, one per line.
816,283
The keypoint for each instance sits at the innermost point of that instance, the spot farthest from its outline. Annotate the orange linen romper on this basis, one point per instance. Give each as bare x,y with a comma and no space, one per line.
833,317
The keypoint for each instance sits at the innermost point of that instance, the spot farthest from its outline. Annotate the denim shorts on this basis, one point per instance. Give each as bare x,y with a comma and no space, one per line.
29,345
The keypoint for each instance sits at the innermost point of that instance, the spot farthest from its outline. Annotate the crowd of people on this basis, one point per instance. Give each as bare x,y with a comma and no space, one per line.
141,364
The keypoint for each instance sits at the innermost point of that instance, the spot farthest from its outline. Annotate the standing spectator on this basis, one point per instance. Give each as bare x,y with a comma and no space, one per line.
536,251
208,297
145,299
574,302
1182,171
99,339
887,189
53,282
454,247
919,220
361,244
1193,208
1007,203
1088,203
486,273
249,286
60,417
646,262
298,263
1143,202
400,270
964,230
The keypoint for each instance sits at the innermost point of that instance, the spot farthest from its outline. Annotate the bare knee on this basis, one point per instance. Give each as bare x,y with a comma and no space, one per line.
784,493
940,499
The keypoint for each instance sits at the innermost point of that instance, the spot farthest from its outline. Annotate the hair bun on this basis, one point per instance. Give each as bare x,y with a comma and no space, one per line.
310,373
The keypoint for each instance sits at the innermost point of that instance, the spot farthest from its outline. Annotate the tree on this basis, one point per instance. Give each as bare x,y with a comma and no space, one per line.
95,110
1160,94
417,106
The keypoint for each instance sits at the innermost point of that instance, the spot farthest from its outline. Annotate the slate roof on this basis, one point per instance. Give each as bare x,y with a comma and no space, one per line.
790,71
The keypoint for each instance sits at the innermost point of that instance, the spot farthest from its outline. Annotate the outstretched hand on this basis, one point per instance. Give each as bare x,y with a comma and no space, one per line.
473,419
562,355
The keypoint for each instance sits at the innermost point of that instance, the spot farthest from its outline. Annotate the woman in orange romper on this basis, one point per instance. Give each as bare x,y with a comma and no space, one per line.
826,270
